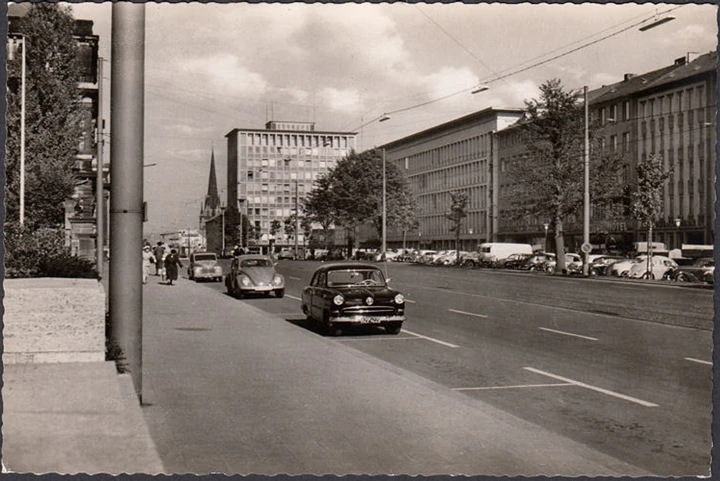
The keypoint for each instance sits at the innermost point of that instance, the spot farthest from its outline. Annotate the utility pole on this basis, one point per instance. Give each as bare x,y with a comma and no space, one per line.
384,206
126,169
586,203
99,181
23,77
297,217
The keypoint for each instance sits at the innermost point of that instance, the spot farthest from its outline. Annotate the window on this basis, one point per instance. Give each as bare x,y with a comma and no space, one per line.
626,110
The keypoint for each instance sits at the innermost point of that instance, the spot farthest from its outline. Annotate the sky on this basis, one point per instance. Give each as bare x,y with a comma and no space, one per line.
210,68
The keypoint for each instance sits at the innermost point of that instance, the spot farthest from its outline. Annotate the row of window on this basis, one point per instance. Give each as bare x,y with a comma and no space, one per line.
471,173
464,150
296,140
438,224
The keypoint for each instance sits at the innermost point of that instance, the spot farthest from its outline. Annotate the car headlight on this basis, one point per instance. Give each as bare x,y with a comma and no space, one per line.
277,280
245,281
338,300
218,269
399,299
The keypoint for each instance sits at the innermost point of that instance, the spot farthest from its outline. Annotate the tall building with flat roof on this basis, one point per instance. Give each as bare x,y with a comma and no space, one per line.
454,156
270,170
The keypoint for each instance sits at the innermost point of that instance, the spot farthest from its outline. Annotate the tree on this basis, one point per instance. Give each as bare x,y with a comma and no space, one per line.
549,182
53,115
647,200
318,206
458,212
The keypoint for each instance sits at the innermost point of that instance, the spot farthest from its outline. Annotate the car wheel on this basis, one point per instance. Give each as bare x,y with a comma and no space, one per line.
625,274
280,293
682,277
393,328
648,276
228,286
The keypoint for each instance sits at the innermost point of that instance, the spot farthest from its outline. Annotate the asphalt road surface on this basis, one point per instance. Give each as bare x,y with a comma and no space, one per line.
622,366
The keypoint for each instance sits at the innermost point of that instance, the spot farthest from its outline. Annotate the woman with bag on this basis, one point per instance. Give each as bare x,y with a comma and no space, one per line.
172,262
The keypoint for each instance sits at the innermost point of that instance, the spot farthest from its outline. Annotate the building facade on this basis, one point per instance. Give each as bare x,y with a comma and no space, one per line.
454,156
80,210
668,112
269,172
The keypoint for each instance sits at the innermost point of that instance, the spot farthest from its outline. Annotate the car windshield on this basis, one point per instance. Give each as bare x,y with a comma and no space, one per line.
345,277
255,263
205,257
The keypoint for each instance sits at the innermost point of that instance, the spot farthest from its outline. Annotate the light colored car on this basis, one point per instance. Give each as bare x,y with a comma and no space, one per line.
659,266
204,266
622,268
570,259
254,274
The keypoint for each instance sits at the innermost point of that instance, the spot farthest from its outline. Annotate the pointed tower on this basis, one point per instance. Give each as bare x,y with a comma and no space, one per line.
211,206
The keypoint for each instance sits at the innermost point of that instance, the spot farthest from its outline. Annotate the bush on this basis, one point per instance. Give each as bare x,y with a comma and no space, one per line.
41,252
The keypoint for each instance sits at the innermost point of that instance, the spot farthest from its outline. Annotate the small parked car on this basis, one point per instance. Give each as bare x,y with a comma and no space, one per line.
660,267
700,270
570,259
286,253
538,262
516,261
599,265
254,274
352,294
204,266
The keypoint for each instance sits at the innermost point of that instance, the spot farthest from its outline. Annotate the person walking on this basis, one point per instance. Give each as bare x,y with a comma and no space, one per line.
159,253
172,262
147,259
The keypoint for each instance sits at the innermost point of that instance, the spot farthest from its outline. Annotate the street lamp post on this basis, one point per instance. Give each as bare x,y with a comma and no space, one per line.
678,241
586,203
545,226
297,217
23,78
222,231
384,206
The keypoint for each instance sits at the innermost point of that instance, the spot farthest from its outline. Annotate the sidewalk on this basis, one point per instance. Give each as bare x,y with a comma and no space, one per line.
249,392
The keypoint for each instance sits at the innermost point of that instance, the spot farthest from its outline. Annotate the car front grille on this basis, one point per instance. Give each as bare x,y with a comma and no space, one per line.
368,311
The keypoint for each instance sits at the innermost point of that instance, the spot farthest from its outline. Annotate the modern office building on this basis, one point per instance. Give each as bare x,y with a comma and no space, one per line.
453,156
270,170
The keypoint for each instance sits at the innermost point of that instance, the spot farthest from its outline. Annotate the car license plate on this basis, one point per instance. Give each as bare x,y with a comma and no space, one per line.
370,320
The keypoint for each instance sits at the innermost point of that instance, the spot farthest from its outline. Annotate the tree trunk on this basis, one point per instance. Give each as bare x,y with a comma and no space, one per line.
560,267
649,250
457,245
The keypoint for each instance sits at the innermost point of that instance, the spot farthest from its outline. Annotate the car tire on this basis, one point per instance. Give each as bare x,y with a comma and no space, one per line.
625,274
393,328
279,293
228,286
330,329
682,277
648,276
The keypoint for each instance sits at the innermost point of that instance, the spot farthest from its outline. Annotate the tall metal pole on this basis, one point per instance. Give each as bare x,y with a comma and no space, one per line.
222,233
126,170
297,216
586,203
384,206
99,181
22,133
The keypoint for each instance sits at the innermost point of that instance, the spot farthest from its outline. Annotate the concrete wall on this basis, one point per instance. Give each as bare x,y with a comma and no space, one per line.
51,320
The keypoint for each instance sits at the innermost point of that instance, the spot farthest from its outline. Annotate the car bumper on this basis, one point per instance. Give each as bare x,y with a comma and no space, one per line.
260,288
207,275
366,319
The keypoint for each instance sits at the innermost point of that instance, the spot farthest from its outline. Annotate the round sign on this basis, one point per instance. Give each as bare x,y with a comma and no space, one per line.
586,248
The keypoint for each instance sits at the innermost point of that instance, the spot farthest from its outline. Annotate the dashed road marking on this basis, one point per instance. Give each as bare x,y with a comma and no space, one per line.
517,386
293,297
468,313
593,388
699,361
410,302
568,334
393,338
447,344
294,278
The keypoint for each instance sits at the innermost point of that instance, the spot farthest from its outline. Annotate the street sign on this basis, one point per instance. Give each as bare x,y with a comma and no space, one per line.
586,247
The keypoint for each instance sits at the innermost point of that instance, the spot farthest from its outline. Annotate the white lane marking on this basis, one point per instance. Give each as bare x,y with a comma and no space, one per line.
593,388
487,388
394,338
411,302
699,361
430,338
293,297
568,334
294,278
468,313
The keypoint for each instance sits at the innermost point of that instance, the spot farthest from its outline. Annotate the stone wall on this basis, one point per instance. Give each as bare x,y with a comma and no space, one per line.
50,320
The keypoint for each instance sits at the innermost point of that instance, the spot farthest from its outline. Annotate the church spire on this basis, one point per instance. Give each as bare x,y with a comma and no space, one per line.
212,200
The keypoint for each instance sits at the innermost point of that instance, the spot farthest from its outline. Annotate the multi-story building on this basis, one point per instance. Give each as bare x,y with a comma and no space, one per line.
453,156
668,112
270,170
80,212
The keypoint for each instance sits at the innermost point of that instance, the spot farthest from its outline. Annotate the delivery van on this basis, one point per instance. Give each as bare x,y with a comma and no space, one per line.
493,252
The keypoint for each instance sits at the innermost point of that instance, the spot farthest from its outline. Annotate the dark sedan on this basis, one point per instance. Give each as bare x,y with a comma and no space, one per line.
700,270
352,294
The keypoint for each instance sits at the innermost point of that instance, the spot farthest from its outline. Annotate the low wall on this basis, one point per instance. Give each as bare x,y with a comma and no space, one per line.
50,320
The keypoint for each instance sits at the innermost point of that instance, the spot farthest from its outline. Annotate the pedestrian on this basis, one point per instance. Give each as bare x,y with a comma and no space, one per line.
147,259
172,262
159,253
238,251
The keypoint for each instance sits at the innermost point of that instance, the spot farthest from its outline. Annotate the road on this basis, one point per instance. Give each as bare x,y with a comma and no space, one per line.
621,367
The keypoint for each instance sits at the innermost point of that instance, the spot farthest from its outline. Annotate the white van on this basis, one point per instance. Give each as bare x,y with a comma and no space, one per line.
493,252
